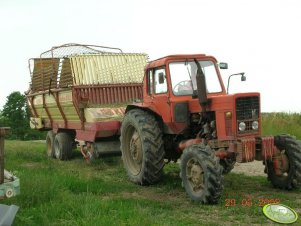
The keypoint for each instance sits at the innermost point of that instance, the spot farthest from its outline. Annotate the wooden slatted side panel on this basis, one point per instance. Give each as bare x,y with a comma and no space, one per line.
66,74
44,69
108,68
66,103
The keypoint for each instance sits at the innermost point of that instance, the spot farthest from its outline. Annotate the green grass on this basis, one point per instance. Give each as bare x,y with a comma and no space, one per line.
282,123
75,193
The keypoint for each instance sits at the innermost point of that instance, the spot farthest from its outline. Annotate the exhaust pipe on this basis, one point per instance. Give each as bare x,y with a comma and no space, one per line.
201,86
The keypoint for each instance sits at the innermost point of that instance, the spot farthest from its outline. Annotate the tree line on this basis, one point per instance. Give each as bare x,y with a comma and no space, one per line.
15,114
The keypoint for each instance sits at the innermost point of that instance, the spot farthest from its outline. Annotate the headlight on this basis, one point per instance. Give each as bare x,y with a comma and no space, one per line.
255,125
242,126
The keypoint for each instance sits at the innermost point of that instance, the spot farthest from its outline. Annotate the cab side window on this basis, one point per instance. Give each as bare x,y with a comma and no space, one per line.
160,81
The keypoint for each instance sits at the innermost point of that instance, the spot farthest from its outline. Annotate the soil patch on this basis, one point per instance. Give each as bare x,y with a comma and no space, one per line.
255,168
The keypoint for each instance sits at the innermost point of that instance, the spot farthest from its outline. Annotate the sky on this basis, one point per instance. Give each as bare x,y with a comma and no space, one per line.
259,37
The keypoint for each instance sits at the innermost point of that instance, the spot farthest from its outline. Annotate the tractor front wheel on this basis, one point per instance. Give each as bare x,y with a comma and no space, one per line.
142,147
284,170
201,174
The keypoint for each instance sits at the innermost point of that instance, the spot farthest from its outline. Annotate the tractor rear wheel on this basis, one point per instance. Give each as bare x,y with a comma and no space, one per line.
284,171
201,174
63,145
50,144
142,147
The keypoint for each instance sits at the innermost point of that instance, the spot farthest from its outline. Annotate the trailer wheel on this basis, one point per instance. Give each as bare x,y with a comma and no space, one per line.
50,144
63,146
201,174
142,147
227,165
284,171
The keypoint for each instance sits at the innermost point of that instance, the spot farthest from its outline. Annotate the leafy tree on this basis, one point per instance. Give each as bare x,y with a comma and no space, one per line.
15,114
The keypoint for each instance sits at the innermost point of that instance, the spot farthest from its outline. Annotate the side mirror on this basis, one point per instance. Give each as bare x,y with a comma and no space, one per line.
223,65
161,78
243,77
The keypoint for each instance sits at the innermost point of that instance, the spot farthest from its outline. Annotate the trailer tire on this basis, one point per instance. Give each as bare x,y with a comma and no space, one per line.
290,149
142,147
201,174
50,144
63,146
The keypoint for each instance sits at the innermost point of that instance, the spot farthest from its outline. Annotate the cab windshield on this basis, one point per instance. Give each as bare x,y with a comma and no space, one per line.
183,77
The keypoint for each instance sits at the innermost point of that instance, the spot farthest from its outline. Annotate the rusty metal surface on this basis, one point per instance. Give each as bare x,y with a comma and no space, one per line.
108,94
44,71
66,78
267,147
246,150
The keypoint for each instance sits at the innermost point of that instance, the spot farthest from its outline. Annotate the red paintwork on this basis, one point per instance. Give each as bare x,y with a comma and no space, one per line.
163,104
267,147
280,162
246,149
98,129
107,93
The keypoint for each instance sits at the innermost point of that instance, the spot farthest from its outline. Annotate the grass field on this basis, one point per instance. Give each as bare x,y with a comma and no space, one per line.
76,193
282,123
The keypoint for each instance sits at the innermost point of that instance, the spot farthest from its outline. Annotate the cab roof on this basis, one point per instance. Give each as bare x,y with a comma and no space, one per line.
164,60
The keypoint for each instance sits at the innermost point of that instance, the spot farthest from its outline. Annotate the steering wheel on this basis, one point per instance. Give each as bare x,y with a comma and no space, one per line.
183,86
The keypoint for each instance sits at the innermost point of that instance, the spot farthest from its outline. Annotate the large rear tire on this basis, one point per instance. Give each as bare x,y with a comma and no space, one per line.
50,144
63,145
142,147
288,175
201,174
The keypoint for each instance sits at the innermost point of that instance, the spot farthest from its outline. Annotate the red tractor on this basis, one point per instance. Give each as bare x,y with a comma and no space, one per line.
186,113
81,94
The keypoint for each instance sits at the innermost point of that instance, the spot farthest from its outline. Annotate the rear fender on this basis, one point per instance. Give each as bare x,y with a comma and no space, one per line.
167,127
153,111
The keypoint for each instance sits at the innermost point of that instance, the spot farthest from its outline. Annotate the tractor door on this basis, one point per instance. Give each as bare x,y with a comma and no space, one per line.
158,95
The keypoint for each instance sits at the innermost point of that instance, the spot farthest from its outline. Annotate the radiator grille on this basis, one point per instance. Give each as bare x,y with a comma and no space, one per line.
247,111
247,108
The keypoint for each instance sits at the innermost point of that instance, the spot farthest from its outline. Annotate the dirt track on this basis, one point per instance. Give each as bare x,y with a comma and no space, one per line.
251,168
